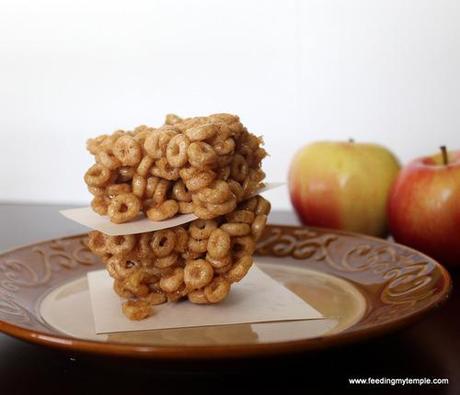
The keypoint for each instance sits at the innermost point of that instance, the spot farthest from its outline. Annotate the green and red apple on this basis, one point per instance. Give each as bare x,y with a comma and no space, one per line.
343,185
424,206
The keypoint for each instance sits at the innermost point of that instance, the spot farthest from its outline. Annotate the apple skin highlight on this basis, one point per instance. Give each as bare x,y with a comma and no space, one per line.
343,185
316,204
424,207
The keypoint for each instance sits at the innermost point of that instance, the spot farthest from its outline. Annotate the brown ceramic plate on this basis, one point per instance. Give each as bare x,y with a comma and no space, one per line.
364,286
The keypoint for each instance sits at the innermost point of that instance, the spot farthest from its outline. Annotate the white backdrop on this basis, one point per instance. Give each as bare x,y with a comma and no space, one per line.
386,71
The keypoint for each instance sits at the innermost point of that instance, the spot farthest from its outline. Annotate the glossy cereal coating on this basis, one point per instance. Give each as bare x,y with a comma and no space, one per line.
200,165
199,260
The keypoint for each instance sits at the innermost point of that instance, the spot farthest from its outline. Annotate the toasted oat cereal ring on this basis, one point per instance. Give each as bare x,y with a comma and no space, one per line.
125,174
239,169
139,184
202,212
223,173
100,204
164,170
135,283
156,142
107,159
243,246
155,298
181,239
192,122
143,248
237,189
147,204
127,150
236,228
242,216
250,188
256,175
152,273
176,150
249,204
257,156
108,143
258,226
191,255
163,242
187,173
224,161
180,193
120,289
137,310
224,117
165,210
218,207
161,190
197,296
223,269
152,145
120,245
186,207
223,134
263,206
123,208
218,192
144,166
151,186
121,268
172,119
97,175
221,208
219,244
245,150
94,145
202,229
173,281
111,265
166,261
201,132
198,246
239,269
96,191
200,179
218,263
224,147
141,129
97,242
197,274
201,155
117,189
237,128
217,290
177,295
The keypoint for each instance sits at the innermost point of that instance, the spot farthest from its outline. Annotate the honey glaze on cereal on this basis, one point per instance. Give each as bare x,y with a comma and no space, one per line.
200,165
199,260
208,166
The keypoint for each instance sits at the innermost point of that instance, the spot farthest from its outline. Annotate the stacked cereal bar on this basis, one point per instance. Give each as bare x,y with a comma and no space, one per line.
209,166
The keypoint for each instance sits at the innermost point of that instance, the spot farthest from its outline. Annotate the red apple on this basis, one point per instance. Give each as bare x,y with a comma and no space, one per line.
424,207
343,185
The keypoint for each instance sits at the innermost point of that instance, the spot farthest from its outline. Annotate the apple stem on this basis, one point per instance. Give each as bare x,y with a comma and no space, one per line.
351,140
445,157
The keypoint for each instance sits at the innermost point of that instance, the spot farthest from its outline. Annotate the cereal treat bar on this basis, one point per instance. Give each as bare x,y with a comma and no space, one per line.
199,260
201,165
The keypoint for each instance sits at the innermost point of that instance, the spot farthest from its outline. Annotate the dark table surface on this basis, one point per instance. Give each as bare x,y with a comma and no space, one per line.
429,348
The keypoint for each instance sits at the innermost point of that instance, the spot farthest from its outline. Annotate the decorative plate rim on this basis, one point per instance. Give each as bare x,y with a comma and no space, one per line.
195,352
